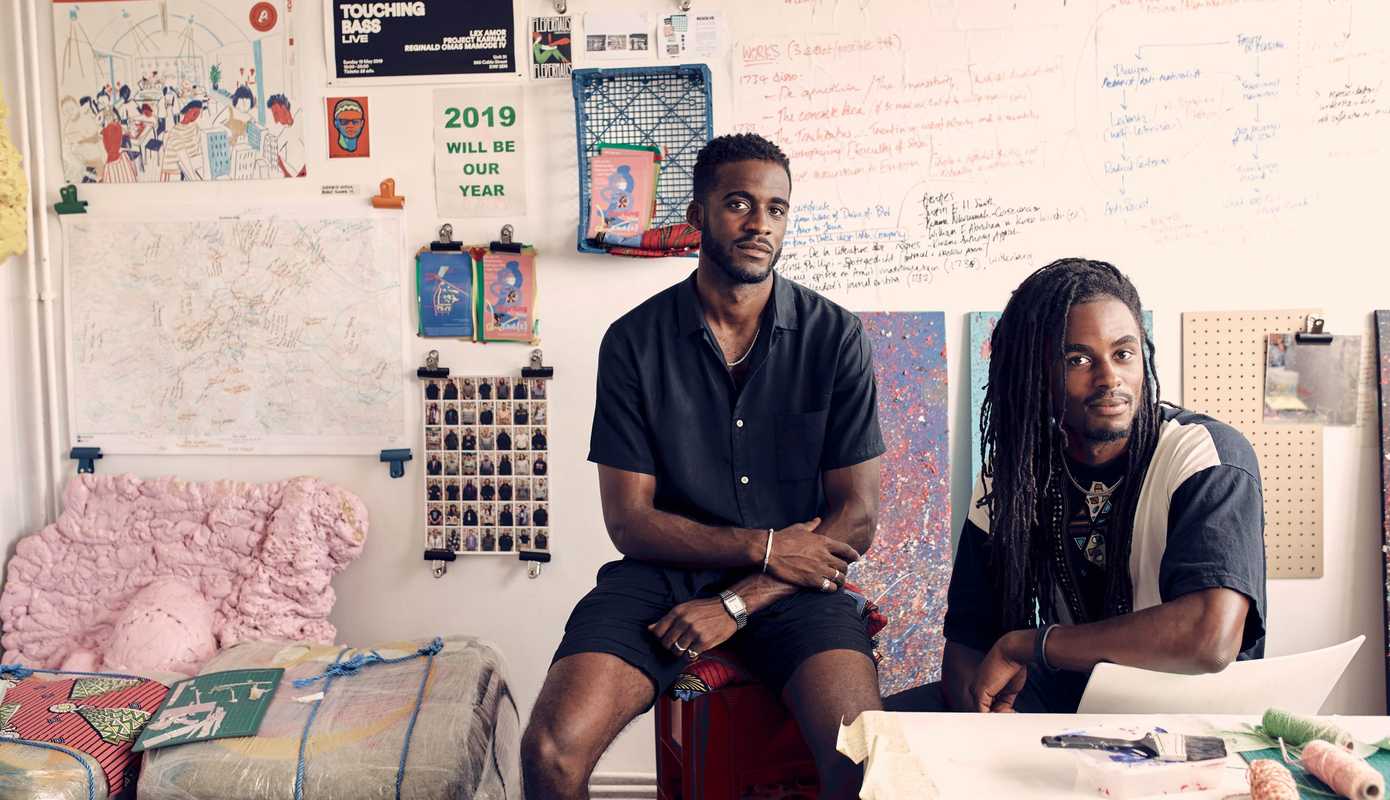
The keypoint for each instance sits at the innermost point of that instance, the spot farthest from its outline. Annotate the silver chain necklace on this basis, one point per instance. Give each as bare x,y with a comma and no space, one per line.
747,352
1104,491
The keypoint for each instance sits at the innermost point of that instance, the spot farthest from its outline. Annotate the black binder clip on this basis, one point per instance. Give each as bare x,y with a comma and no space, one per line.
533,559
538,369
397,459
432,368
505,244
446,243
1312,332
86,459
441,559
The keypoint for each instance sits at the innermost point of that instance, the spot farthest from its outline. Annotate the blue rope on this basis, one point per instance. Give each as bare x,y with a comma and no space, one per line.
354,665
304,737
91,779
15,670
21,672
415,713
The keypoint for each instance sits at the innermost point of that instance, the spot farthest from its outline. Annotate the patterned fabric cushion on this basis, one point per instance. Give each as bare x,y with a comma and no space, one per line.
719,668
97,714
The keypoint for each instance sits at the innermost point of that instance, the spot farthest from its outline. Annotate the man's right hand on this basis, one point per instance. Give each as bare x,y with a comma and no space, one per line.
804,558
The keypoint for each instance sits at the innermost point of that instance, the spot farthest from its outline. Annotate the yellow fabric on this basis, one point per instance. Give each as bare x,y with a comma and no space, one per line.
14,193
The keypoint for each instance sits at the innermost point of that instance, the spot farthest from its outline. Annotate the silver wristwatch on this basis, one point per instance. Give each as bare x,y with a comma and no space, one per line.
734,605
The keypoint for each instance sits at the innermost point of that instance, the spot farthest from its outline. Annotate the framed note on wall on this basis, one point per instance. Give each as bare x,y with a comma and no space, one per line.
419,41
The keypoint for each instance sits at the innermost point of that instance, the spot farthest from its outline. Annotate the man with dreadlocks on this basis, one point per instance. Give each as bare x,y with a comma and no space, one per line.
737,438
1106,526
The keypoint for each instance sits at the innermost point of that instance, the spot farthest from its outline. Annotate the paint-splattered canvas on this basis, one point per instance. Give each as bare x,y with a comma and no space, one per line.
981,329
1383,354
908,570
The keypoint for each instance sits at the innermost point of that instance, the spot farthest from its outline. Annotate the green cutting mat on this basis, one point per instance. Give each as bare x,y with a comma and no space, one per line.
213,706
1309,787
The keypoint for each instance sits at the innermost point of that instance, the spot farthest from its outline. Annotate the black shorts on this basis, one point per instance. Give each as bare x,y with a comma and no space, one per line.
630,595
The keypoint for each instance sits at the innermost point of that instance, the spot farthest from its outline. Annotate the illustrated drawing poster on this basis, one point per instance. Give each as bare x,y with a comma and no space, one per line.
508,297
177,90
445,293
405,40
349,133
552,51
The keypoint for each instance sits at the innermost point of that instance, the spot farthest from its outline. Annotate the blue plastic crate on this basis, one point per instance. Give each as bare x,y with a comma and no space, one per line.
666,106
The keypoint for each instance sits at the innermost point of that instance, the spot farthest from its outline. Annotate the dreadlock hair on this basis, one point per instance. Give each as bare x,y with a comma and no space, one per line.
1022,443
730,148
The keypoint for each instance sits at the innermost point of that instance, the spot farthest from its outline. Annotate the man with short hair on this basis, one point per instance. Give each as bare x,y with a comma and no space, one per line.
737,439
1105,526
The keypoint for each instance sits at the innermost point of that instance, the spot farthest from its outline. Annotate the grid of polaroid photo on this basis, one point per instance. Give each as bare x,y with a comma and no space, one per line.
487,482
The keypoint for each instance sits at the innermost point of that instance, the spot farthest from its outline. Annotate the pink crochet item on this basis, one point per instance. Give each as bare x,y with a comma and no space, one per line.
200,565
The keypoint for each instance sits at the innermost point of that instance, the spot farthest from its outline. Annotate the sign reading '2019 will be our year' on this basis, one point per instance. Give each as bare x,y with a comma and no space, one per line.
479,169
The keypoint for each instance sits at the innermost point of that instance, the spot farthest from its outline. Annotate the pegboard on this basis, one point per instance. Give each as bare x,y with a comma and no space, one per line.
1223,376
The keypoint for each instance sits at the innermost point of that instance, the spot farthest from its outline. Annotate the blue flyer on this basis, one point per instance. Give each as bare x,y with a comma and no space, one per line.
445,292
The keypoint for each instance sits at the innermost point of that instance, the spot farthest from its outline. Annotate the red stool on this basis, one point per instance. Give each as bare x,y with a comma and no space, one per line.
735,739
735,742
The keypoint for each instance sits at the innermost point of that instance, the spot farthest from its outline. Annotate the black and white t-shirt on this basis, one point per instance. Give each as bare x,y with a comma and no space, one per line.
1199,524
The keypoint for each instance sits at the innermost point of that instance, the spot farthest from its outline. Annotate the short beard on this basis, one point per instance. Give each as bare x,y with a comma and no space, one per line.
1105,435
720,255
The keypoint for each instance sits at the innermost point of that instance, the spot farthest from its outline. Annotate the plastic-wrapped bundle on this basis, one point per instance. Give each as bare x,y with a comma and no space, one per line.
465,741
41,774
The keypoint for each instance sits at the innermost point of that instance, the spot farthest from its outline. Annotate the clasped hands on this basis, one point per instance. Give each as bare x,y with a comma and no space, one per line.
800,557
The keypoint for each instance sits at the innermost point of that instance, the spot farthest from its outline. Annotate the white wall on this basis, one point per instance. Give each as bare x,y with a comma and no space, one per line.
21,493
389,592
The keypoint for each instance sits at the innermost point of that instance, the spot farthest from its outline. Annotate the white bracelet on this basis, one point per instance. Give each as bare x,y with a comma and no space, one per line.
768,555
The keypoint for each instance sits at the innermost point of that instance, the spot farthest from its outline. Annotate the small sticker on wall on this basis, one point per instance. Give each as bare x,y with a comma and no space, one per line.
349,131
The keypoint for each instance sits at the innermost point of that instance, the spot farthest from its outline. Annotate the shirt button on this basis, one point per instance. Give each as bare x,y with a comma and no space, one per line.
738,423
743,480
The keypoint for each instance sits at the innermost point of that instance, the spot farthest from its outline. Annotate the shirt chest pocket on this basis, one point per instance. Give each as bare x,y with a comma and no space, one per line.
800,438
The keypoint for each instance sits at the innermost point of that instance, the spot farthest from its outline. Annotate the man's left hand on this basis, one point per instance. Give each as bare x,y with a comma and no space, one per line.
1003,672
693,627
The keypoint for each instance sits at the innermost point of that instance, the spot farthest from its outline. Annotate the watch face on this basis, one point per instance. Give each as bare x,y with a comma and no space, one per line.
735,606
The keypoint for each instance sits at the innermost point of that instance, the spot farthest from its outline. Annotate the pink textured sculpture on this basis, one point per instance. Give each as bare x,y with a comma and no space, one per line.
259,556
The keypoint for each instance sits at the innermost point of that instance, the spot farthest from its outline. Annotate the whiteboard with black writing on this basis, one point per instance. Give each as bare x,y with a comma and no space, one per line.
931,140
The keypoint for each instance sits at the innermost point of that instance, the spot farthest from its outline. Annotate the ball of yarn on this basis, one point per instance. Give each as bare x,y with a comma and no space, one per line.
1270,780
1297,730
1348,775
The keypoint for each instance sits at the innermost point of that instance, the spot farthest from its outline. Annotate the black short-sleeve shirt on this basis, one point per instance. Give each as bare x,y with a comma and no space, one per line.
751,457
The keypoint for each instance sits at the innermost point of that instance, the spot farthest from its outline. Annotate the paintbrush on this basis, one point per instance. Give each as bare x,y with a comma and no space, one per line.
1155,745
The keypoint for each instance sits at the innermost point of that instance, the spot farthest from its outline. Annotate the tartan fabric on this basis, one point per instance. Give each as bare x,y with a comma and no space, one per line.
100,715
